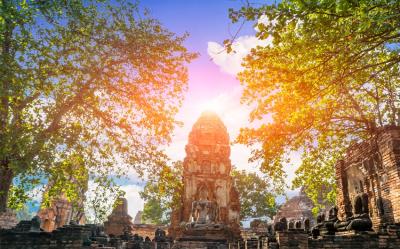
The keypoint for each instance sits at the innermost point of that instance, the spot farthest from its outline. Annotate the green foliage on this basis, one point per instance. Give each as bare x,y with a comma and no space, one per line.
257,195
23,191
24,214
95,80
162,193
69,179
155,211
330,77
101,199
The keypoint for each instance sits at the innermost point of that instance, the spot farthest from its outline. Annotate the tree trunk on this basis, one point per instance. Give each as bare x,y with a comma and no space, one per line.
6,73
6,177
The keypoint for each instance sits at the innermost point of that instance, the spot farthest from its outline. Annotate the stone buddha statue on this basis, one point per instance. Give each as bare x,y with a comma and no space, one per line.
360,221
204,213
316,230
329,225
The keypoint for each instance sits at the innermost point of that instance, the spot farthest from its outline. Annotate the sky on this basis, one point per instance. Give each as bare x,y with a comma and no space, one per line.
212,82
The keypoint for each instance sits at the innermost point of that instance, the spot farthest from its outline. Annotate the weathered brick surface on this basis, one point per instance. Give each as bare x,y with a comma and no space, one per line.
68,237
119,220
8,219
349,240
372,167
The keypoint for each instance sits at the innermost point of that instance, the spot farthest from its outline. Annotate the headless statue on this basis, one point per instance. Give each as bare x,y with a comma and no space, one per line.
360,221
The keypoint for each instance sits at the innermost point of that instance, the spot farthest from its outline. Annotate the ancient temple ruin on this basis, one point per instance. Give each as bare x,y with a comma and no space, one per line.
372,168
297,208
209,208
368,202
119,221
61,212
367,213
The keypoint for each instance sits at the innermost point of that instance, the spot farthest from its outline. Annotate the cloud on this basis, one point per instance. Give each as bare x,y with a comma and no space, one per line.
135,203
231,63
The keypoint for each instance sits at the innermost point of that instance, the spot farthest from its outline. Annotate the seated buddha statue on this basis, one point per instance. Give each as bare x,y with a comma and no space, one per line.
360,221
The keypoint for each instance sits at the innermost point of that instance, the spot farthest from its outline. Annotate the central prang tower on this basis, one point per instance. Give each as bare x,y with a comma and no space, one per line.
210,206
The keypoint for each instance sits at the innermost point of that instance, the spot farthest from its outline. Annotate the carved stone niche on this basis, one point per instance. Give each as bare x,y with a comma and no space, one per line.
355,180
206,166
395,146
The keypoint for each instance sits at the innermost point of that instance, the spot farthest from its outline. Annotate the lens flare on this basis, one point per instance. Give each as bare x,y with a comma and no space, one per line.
212,105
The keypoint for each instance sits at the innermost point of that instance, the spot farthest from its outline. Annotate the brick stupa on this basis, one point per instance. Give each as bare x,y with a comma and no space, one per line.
210,205
119,220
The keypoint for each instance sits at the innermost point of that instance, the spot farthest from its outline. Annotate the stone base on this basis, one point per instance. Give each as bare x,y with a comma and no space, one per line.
199,245
221,234
205,235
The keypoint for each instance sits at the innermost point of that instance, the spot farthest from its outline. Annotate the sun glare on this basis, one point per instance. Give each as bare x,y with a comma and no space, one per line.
212,105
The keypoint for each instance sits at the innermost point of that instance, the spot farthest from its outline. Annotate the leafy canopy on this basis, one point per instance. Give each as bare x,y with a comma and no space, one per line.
95,80
162,194
257,195
329,77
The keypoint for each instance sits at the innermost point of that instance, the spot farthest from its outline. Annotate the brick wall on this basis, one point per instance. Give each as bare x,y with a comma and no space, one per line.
372,167
8,219
349,240
71,237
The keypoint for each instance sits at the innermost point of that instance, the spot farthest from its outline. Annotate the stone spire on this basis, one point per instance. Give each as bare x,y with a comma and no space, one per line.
119,220
208,150
207,182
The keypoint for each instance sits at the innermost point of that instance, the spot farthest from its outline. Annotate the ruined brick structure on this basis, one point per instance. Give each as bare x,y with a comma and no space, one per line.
61,212
372,167
27,235
146,230
207,183
138,218
297,208
8,219
368,195
119,220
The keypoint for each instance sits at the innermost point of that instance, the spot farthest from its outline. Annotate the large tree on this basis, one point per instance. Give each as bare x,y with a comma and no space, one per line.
95,80
329,77
162,193
257,195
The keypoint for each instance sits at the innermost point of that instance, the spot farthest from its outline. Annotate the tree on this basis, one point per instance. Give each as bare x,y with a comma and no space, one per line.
329,77
100,201
162,194
257,195
24,214
98,80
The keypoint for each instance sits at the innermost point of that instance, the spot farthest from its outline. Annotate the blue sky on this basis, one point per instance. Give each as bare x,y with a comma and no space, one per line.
205,21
